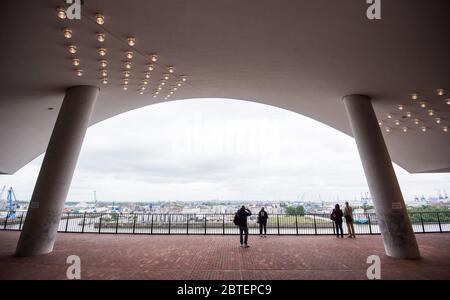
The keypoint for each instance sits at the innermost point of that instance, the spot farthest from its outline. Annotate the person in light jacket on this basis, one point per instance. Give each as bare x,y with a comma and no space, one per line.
348,215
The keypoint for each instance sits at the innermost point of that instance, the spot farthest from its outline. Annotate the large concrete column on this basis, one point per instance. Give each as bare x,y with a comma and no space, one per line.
47,203
393,220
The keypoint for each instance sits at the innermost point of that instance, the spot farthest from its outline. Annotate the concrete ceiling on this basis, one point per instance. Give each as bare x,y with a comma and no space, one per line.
301,55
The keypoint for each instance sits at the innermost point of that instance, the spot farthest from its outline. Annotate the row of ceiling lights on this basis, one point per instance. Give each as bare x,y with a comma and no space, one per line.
127,65
417,121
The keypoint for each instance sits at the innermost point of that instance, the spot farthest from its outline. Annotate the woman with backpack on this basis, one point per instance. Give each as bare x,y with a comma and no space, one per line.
336,216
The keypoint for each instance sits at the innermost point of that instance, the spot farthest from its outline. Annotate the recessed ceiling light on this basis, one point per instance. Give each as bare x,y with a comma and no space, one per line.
67,33
159,88
380,123
171,69
424,129
184,78
448,101
147,75
126,74
129,54
100,19
131,41
141,92
103,63
401,107
145,82
157,93
397,122
154,96
175,88
153,57
405,129
416,121
101,37
445,128
408,114
166,76
431,112
163,83
79,72
150,67
61,13
127,65
104,73
105,80
126,81
388,129
102,51
389,116
72,49
76,62
423,104
438,120
125,87
414,96
179,84
440,92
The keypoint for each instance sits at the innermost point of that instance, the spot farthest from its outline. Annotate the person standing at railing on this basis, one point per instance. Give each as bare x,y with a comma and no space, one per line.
336,216
348,215
262,221
241,216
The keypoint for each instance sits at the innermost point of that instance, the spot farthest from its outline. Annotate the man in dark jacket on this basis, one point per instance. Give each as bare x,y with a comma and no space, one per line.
242,214
336,216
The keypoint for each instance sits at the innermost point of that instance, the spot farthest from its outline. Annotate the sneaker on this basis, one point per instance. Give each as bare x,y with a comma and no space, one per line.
246,246
349,236
261,236
242,246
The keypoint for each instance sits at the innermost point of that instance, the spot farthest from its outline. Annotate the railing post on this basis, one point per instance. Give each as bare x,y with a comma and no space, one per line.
6,220
170,218
84,221
421,220
205,224
370,224
278,224
315,225
117,223
439,221
187,224
223,224
21,218
100,223
151,226
334,228
134,223
67,222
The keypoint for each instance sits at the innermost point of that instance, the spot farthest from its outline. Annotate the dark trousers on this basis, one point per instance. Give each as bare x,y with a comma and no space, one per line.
261,226
339,227
243,233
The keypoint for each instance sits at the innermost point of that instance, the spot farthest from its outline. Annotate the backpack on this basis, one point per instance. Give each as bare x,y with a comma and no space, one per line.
236,219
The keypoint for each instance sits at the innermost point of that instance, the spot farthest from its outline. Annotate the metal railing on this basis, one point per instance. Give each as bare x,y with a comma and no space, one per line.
222,224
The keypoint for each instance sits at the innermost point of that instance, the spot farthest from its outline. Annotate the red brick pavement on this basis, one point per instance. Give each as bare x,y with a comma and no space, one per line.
220,257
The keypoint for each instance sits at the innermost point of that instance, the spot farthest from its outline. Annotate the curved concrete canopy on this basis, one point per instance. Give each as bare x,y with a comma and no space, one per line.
301,55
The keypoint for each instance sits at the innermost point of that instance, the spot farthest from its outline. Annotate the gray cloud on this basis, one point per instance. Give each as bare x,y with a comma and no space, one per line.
218,149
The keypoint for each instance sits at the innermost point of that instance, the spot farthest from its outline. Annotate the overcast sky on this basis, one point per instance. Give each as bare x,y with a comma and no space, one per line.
218,149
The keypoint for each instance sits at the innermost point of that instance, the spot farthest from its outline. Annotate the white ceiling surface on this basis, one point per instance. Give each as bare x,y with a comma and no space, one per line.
301,55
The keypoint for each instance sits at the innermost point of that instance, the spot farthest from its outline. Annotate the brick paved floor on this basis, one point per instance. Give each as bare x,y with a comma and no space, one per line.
219,257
